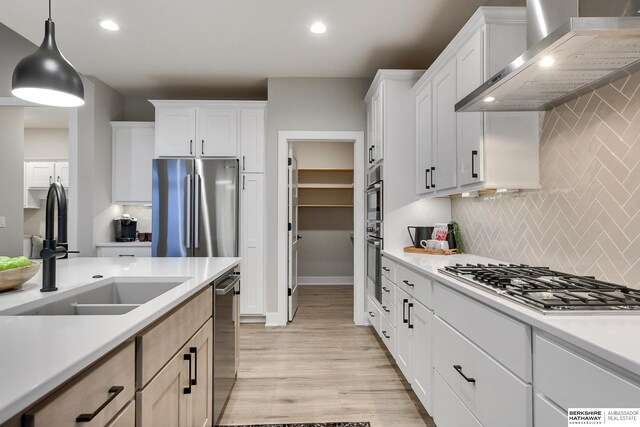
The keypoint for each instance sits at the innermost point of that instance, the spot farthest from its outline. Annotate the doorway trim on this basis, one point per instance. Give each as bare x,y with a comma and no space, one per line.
357,138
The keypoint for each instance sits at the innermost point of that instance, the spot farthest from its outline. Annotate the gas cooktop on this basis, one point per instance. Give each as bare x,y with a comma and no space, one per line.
549,291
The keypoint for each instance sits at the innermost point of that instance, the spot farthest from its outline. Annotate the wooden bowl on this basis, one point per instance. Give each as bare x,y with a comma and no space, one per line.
18,276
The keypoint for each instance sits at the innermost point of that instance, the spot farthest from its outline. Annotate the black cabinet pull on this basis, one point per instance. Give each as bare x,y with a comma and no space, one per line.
433,177
406,282
244,162
385,335
371,314
194,351
202,149
459,369
191,146
426,178
384,307
385,289
187,390
474,154
114,391
404,310
386,269
409,315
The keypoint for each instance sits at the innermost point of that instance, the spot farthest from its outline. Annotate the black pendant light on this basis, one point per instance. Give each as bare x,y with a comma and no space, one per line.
46,77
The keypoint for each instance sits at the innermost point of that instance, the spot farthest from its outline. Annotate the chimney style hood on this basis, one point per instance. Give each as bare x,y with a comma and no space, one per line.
575,46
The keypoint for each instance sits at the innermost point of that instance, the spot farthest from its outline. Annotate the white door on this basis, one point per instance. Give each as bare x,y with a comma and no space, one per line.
293,235
40,174
176,132
378,123
217,132
424,134
422,365
252,139
404,332
252,246
443,175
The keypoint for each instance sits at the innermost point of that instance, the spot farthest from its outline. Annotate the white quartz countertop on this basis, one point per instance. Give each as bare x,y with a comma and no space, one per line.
612,337
135,244
39,353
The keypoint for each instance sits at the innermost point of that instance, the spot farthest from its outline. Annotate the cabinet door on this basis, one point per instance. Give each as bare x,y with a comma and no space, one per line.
424,140
378,123
252,245
252,140
62,173
470,66
40,174
132,164
176,132
370,144
443,176
163,402
422,319
404,333
200,402
217,132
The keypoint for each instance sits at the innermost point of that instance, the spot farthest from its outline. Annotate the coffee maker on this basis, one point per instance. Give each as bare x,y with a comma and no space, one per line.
126,228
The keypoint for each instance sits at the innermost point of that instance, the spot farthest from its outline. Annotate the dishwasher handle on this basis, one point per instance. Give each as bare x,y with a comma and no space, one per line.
225,290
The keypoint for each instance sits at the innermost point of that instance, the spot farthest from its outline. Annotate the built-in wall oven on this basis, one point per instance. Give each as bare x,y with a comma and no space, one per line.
374,233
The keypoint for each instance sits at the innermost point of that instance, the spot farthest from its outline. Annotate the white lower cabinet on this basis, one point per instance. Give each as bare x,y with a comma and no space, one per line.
422,358
373,314
388,334
404,332
252,245
448,409
546,414
494,395
124,251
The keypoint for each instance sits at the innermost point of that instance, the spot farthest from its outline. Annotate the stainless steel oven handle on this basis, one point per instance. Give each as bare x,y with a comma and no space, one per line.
374,188
229,287
374,242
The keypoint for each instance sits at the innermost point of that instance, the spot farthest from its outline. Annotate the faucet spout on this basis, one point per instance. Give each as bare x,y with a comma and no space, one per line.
56,198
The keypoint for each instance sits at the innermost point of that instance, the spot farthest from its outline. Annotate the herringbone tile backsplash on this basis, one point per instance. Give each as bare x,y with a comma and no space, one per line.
585,219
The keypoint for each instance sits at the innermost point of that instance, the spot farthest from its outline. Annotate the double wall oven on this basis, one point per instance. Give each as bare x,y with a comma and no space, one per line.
374,233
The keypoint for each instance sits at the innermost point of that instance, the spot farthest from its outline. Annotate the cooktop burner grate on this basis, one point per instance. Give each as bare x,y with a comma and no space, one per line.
546,289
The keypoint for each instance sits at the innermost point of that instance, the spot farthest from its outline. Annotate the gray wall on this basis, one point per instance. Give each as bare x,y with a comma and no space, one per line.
13,47
12,179
43,142
139,109
320,104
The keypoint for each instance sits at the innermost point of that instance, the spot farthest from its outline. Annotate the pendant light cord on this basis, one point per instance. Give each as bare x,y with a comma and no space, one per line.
49,10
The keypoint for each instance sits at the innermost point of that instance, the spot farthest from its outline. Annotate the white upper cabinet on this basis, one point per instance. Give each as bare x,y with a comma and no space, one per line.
62,173
40,175
443,171
133,149
201,129
466,152
378,125
218,132
252,140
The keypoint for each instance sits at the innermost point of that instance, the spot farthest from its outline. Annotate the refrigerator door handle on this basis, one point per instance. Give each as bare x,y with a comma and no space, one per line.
196,216
187,208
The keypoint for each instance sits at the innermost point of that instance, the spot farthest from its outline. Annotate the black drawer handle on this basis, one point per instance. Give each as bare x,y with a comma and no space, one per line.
459,369
187,390
474,154
385,289
406,282
410,325
404,310
114,391
371,314
384,307
194,351
385,335
386,269
433,177
126,255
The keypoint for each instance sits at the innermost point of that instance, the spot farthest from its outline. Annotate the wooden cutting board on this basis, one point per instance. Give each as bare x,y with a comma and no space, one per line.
413,250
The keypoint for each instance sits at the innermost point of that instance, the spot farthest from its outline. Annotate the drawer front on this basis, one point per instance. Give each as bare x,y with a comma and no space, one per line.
422,288
546,414
388,289
497,397
389,269
126,418
124,252
156,346
448,410
388,310
388,334
88,392
373,314
569,380
505,339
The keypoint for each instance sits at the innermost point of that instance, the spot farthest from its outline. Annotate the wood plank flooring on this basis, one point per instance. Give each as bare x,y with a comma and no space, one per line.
320,368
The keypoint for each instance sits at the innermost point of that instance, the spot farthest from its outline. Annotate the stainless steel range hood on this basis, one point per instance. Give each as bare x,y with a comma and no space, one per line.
596,42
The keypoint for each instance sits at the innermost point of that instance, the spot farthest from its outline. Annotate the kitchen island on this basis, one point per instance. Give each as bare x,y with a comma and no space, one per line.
40,353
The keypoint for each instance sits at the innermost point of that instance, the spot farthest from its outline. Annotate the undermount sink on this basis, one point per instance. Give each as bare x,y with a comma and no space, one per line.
111,296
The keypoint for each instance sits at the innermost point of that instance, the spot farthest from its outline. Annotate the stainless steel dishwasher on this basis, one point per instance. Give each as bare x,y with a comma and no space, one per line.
225,338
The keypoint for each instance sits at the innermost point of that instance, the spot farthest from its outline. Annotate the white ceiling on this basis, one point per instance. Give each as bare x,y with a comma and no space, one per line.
46,118
228,48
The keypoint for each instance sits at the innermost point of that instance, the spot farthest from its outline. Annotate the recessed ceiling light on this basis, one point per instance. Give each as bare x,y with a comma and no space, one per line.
547,62
318,28
108,24
489,99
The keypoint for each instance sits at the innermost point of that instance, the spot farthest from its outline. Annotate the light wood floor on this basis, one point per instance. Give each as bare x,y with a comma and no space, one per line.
320,368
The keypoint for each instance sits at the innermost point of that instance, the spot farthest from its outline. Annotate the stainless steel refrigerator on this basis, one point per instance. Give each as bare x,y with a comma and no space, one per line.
195,208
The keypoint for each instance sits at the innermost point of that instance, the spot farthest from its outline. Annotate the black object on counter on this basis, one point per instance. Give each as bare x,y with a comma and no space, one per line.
421,233
451,237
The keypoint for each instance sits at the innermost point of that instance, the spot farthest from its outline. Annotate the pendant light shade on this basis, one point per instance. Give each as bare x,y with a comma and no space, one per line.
46,77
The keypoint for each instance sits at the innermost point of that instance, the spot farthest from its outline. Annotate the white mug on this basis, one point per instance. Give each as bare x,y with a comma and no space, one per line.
435,244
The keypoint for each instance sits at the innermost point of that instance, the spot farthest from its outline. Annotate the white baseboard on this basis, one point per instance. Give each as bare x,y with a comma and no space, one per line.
272,320
252,319
325,280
